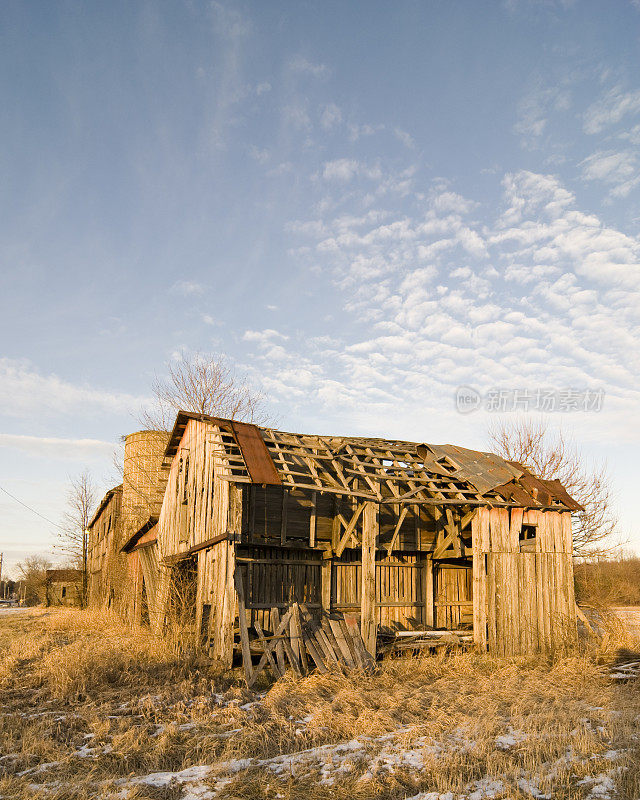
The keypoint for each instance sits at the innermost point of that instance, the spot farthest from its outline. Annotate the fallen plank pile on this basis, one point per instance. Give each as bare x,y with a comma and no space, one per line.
302,642
625,672
399,639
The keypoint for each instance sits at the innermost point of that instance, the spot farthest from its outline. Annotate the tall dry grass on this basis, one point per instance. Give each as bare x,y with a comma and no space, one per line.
89,707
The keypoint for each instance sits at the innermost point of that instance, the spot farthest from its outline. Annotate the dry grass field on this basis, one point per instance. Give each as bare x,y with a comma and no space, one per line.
90,709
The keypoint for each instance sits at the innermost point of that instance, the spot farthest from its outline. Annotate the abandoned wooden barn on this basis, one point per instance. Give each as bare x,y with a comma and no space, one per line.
399,533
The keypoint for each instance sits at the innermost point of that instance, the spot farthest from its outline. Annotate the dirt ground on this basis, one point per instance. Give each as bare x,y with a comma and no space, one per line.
90,709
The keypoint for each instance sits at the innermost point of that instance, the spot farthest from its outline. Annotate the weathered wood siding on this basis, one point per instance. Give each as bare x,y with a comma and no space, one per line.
103,540
523,587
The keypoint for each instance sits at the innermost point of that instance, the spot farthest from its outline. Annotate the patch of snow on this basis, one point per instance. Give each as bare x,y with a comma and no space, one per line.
511,739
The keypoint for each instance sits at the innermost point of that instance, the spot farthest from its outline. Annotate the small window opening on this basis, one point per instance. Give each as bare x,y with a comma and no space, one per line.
64,591
528,532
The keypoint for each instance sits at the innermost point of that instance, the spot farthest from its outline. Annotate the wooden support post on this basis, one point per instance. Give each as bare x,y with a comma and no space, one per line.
479,586
312,519
283,526
428,591
368,625
244,632
227,609
325,577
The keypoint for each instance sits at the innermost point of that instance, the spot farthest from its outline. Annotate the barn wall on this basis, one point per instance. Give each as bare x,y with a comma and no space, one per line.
524,598
103,536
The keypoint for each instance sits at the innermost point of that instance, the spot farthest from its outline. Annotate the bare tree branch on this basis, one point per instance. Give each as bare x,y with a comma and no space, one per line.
33,573
550,455
204,383
73,537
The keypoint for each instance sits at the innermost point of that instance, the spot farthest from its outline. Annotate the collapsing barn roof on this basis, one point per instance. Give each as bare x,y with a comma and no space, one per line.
381,470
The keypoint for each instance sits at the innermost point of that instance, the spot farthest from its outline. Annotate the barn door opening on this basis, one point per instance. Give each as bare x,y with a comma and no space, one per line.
453,595
181,612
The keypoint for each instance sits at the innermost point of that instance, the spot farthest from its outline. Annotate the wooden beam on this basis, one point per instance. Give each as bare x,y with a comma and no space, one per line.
428,592
396,531
350,528
312,519
283,518
368,626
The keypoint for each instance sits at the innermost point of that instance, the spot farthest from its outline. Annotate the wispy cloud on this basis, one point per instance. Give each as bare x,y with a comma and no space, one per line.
187,288
302,65
617,168
610,109
25,392
52,447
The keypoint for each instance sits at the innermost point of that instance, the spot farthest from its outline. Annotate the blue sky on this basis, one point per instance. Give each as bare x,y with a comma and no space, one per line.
365,205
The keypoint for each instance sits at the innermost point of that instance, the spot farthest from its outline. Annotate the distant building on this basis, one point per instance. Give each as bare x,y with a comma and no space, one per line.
63,587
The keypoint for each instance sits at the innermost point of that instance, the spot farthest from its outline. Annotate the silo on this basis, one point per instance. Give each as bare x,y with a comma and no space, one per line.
144,479
143,484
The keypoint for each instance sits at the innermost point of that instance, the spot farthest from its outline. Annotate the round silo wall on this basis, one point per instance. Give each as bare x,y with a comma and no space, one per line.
144,479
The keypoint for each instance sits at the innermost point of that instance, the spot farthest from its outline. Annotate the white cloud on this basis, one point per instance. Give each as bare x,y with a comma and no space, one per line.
619,168
342,169
543,295
187,288
50,447
25,392
331,117
404,137
301,64
263,338
610,109
297,116
450,201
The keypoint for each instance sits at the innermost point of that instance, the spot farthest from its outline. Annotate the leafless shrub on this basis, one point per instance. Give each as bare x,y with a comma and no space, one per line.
33,577
204,383
551,455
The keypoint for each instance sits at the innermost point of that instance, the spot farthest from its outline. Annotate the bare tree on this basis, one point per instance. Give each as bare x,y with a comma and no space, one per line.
550,455
73,535
33,577
205,383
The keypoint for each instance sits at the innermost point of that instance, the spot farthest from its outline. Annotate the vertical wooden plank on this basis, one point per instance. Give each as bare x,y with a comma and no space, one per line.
479,587
228,615
492,603
515,528
242,619
368,583
530,605
428,590
312,519
544,545
283,516
325,579
547,581
483,517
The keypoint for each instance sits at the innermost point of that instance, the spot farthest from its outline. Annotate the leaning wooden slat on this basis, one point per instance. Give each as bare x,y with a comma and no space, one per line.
295,631
278,635
365,659
349,530
342,637
279,649
244,633
267,649
396,532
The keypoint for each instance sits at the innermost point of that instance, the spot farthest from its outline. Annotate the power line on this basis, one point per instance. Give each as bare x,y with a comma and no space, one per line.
33,511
